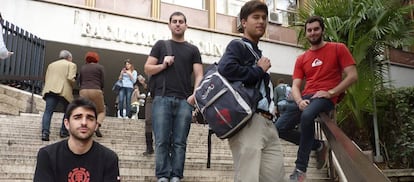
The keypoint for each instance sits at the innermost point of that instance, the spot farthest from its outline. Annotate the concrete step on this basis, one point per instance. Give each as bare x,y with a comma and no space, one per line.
20,141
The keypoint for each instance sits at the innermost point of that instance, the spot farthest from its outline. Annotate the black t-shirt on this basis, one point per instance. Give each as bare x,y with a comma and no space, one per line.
56,162
178,75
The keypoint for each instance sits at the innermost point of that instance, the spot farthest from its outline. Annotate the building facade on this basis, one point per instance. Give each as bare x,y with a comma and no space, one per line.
120,29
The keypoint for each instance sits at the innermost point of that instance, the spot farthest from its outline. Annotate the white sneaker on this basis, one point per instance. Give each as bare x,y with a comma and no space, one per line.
175,179
163,179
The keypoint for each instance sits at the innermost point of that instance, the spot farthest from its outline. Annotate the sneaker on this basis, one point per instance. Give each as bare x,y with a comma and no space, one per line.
297,176
175,179
148,152
321,156
163,179
45,137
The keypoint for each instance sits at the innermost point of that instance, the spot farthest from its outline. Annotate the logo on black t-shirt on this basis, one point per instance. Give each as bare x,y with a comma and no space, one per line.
79,175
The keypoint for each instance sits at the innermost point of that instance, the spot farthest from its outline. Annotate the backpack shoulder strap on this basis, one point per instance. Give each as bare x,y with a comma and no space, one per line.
249,46
167,44
168,47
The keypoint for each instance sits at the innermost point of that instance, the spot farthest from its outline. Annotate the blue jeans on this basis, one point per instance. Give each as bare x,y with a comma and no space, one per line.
171,119
305,138
282,106
52,100
124,96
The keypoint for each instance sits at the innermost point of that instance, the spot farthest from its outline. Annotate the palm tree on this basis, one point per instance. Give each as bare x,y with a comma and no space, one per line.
368,28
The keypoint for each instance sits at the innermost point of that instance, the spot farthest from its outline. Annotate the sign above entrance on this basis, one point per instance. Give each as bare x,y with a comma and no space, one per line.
131,31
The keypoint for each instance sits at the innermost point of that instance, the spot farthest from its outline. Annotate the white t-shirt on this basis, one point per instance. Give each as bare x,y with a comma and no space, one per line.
4,53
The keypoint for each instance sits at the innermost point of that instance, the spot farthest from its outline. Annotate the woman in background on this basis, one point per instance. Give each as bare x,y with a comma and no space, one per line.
91,80
128,76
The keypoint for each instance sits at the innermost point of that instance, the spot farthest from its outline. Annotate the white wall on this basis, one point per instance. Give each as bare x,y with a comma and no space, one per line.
94,29
402,76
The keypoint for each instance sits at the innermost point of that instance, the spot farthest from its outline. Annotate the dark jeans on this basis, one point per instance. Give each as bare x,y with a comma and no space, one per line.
305,138
171,119
52,100
148,123
124,97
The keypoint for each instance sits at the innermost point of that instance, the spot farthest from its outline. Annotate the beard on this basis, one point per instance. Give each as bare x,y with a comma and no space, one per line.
315,42
81,137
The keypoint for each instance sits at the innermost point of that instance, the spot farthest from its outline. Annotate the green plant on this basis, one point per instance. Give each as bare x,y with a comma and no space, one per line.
368,28
396,121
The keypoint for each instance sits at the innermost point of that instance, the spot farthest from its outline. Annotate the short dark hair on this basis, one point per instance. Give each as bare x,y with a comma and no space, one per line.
80,102
250,7
314,19
177,13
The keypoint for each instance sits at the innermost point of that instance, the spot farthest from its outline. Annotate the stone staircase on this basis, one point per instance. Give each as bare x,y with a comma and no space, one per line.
20,141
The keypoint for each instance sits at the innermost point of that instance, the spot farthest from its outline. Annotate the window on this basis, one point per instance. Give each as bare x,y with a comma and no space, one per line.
229,7
286,5
282,11
197,4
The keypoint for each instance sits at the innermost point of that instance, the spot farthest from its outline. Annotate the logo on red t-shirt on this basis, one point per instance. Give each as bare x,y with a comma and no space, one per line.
79,175
316,62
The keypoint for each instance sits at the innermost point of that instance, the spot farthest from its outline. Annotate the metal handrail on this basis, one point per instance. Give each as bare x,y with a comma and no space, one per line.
352,162
27,63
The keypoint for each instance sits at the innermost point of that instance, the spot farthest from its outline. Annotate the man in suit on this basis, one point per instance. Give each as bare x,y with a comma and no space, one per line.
59,81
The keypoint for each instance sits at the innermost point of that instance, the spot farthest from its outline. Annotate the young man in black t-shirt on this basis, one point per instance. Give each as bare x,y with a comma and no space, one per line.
78,158
170,65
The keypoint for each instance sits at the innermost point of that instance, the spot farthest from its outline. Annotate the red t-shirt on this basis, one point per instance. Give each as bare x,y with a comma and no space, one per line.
322,68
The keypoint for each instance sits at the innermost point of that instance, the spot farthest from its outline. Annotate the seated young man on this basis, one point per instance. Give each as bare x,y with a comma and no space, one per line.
322,67
78,158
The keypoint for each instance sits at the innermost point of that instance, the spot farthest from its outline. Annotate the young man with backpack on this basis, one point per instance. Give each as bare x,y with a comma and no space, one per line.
256,148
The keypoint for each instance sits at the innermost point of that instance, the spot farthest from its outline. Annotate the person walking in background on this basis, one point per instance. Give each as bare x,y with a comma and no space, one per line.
173,97
282,96
78,158
142,86
137,99
321,68
148,121
91,80
128,76
256,149
4,53
60,79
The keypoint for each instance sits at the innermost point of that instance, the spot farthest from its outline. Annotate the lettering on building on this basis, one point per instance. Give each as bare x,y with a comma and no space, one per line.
98,26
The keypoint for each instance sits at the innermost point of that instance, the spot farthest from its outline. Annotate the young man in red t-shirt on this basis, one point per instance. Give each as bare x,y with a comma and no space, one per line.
322,67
